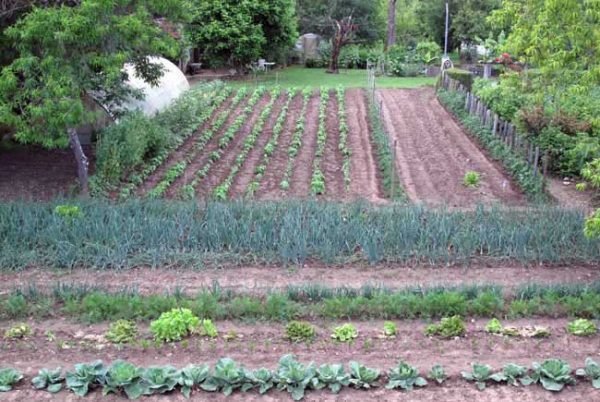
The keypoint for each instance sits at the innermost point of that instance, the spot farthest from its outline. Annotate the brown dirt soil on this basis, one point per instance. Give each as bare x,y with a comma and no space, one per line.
260,278
332,160
246,173
36,174
269,186
568,196
220,170
365,181
434,153
303,164
182,152
261,345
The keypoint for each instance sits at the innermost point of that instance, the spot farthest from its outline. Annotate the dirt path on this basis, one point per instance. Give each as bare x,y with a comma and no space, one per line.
302,173
365,182
246,173
568,196
269,185
261,345
332,160
433,154
261,278
180,153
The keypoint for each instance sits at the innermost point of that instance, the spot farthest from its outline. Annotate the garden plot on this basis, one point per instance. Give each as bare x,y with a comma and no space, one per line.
433,154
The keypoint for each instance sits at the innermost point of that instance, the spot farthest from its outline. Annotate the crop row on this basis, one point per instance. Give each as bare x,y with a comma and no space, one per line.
296,142
291,376
271,146
190,189
221,192
343,127
317,182
177,170
190,119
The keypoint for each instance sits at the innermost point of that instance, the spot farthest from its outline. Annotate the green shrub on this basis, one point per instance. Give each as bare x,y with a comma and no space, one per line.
299,331
122,331
345,333
582,327
448,327
463,76
174,325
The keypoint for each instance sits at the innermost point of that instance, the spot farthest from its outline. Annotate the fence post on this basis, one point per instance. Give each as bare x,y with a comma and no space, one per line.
495,124
393,170
536,161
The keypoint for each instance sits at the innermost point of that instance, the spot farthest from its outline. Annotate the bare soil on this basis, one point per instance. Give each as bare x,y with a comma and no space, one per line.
261,278
246,173
365,179
434,153
303,164
567,196
261,345
269,186
332,160
184,150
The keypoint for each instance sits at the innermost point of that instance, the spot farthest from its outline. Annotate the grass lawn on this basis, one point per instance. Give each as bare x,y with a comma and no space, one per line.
312,77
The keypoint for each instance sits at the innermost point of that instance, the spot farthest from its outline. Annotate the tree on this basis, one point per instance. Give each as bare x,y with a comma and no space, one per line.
391,25
344,30
237,32
66,54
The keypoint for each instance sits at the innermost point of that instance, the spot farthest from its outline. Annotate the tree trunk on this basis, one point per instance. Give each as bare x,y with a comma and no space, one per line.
391,26
334,67
82,161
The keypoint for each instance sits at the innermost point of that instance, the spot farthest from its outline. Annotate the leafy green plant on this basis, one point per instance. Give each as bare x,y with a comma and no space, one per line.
227,377
582,327
494,326
122,331
345,333
299,331
480,374
84,377
123,376
405,376
50,380
389,329
192,377
511,373
161,379
295,377
438,374
208,328
70,212
591,371
472,179
263,379
18,331
553,374
333,377
174,325
591,229
8,378
362,377
448,327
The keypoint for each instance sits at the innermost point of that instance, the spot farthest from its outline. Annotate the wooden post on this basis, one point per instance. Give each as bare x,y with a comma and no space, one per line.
82,161
495,124
529,154
536,161
393,189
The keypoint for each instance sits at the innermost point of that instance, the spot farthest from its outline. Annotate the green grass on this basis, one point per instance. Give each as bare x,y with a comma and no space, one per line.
315,78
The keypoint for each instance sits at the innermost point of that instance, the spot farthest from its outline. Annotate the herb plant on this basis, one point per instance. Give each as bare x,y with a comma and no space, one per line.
553,374
437,374
405,376
345,333
50,380
591,371
362,376
299,331
8,378
295,377
333,377
448,327
582,327
174,325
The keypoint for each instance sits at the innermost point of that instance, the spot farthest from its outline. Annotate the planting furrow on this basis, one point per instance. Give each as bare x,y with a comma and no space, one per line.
270,147
221,192
317,181
296,141
300,184
227,144
152,168
332,161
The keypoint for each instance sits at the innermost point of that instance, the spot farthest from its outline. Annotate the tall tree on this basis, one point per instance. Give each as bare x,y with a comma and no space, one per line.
391,25
68,53
344,30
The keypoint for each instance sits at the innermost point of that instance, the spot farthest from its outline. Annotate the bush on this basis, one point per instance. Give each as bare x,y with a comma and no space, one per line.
428,52
449,327
174,325
299,331
505,97
463,76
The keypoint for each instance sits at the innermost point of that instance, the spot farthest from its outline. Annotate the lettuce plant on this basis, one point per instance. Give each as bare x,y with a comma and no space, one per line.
438,374
227,377
208,328
161,379
345,333
174,325
448,327
295,377
299,331
85,377
18,331
122,331
482,373
553,374
582,327
389,329
405,376
362,376
494,326
124,376
192,377
333,377
50,380
591,371
8,378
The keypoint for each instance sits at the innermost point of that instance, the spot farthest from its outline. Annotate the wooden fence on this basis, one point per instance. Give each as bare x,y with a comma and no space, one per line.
536,158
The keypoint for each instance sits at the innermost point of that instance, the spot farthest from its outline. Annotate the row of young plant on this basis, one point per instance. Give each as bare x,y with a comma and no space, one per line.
188,191
532,185
221,192
180,120
296,142
94,305
317,181
271,146
291,376
343,127
177,170
385,158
